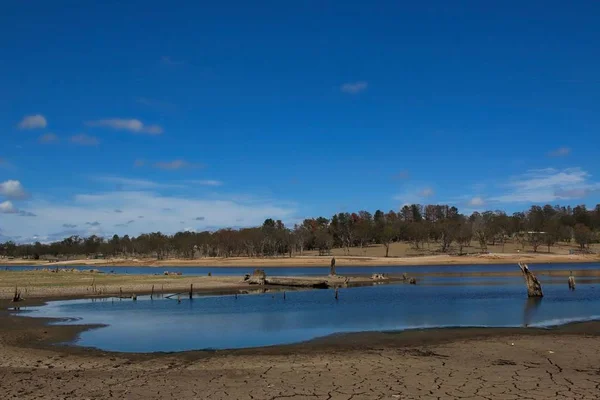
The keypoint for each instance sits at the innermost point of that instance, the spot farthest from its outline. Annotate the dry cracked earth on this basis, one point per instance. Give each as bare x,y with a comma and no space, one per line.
512,367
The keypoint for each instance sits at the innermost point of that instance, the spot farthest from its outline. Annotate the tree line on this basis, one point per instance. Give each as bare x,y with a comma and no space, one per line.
439,225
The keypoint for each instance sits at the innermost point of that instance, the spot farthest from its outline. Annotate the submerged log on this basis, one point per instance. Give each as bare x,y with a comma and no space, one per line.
571,281
534,287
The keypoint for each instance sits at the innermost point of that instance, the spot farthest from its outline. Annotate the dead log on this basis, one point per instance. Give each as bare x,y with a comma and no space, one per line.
298,282
534,287
571,281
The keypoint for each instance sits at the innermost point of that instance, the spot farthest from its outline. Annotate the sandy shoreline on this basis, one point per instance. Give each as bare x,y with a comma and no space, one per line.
422,364
313,261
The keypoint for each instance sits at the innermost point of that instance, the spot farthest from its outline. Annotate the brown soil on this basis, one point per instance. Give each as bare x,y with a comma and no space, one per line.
421,364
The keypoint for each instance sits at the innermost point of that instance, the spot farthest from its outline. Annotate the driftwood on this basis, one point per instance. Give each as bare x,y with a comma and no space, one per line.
297,282
534,287
571,281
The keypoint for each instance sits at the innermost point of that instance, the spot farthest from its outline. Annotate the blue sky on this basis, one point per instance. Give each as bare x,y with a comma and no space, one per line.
198,115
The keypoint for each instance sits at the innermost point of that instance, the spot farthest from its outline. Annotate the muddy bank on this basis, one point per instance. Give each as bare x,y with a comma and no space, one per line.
420,364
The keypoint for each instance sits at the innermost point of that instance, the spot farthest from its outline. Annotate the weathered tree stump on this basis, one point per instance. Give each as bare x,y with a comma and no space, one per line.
534,287
17,297
258,277
571,281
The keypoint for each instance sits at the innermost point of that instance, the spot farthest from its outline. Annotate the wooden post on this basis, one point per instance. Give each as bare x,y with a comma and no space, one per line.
152,294
534,287
332,267
120,293
571,281
191,290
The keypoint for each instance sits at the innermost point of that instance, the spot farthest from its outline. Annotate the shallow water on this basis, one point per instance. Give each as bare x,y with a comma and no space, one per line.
540,269
220,322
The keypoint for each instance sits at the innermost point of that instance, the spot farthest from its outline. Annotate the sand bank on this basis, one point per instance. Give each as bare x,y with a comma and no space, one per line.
314,261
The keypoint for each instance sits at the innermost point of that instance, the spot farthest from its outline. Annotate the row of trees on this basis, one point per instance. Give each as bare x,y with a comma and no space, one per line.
440,225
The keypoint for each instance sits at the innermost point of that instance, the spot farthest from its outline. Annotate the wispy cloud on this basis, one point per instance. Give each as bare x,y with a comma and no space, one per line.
560,152
204,182
200,218
130,125
175,164
13,190
136,184
98,211
414,194
476,202
426,192
354,87
36,121
118,211
47,138
547,185
85,140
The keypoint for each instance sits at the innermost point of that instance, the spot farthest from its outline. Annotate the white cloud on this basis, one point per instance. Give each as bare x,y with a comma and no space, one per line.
7,207
85,140
48,138
560,152
476,202
13,190
354,87
55,218
36,121
131,125
547,185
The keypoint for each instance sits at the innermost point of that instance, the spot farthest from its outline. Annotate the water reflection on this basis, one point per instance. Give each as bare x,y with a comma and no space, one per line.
268,318
531,305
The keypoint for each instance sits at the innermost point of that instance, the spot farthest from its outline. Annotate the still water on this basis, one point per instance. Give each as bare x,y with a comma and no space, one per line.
539,269
221,322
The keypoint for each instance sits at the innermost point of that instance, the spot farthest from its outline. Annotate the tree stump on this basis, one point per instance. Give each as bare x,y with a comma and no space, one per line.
258,277
534,287
571,281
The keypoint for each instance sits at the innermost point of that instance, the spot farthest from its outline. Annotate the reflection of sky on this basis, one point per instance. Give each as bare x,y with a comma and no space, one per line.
315,271
267,319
